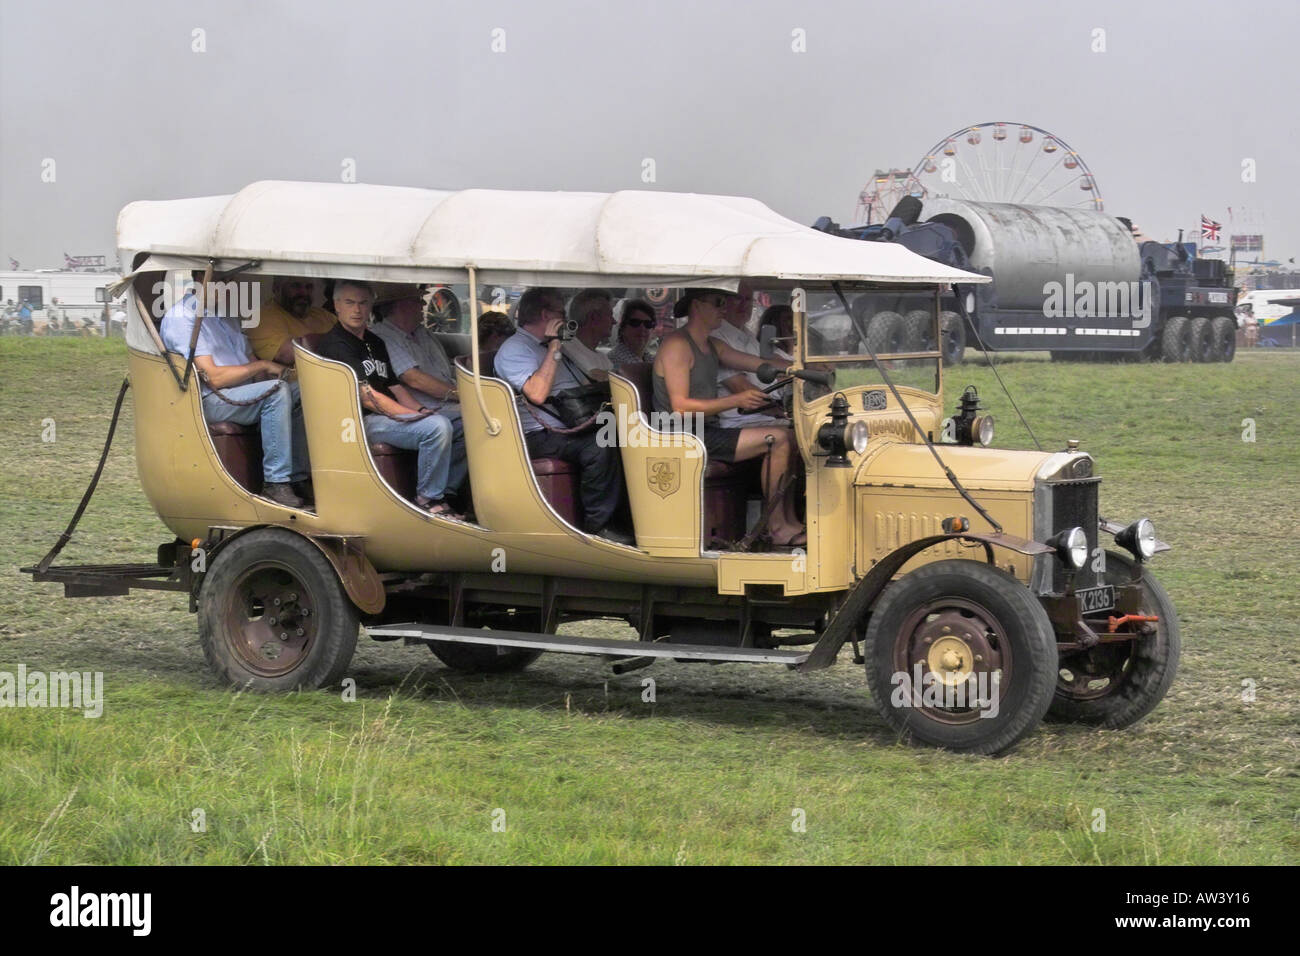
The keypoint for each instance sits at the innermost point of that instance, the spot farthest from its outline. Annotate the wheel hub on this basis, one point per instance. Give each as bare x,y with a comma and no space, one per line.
950,658
954,642
271,621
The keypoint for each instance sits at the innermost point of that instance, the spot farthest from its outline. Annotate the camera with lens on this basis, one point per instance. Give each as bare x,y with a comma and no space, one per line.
568,329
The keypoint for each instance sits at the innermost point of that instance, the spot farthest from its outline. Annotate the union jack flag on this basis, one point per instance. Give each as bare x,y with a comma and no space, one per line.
1210,228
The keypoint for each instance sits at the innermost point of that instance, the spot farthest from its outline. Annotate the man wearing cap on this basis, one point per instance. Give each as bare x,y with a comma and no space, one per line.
419,359
421,363
289,316
686,383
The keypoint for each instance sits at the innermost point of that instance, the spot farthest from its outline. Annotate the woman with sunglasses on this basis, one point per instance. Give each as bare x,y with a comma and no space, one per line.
634,332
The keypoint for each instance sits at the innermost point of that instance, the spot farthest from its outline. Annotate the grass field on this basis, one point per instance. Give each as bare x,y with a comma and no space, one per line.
581,770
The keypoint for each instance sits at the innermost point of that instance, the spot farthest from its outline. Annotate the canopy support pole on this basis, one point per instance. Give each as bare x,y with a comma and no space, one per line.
493,426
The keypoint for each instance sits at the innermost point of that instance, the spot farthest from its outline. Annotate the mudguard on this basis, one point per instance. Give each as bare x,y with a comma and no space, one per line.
864,593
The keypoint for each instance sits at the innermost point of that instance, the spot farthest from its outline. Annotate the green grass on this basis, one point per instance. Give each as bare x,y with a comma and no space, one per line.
414,768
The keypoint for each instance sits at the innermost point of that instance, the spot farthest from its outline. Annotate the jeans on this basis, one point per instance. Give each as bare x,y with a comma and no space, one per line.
284,440
431,437
601,484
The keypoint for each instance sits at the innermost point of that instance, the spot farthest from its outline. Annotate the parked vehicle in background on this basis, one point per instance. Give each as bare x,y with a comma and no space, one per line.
61,301
1071,281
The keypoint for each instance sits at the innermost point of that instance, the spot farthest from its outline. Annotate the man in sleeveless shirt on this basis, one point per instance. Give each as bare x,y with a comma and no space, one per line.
686,383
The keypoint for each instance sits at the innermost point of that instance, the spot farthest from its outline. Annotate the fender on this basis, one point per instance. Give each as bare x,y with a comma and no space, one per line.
345,554
864,593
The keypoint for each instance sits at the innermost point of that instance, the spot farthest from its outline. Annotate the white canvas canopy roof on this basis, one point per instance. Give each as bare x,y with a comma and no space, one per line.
622,239
633,237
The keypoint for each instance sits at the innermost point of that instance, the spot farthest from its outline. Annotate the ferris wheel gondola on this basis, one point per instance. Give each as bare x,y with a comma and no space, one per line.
1007,162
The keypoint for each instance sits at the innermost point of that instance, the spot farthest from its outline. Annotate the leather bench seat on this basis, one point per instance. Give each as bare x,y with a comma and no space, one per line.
239,448
397,466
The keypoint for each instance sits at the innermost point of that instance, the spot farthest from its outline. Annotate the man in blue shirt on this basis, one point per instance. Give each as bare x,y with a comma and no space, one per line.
225,362
531,361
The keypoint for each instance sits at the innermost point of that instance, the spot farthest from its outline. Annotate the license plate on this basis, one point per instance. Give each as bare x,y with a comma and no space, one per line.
1092,600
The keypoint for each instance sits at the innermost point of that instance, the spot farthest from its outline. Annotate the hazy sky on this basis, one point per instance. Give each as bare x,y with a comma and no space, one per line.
713,92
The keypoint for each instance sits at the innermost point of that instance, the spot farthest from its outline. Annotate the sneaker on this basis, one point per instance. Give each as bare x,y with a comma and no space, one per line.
281,493
610,533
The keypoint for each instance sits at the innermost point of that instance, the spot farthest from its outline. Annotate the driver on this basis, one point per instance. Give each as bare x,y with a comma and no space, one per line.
686,383
734,331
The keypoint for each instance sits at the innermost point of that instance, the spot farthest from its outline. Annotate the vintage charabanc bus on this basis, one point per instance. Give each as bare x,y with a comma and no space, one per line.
970,582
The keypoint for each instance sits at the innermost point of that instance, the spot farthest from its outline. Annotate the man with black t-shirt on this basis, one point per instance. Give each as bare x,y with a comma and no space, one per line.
390,412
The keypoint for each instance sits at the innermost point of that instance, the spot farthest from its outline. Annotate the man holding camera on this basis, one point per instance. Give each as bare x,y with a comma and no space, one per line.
532,362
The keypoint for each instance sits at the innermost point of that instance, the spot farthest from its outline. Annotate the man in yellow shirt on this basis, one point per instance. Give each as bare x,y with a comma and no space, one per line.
284,319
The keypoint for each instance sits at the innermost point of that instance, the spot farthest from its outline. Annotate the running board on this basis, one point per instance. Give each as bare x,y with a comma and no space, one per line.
596,646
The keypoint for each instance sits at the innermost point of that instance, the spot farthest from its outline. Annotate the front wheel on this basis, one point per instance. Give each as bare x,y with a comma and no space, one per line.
273,614
961,655
1117,684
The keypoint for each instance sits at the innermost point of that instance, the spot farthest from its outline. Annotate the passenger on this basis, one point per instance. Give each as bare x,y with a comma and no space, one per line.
531,361
225,361
634,331
781,319
390,413
734,331
421,364
493,330
686,382
593,312
419,359
287,317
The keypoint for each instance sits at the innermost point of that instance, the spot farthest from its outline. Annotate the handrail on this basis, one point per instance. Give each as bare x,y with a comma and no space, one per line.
493,426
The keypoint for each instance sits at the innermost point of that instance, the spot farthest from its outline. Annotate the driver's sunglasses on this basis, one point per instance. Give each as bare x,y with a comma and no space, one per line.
640,323
717,301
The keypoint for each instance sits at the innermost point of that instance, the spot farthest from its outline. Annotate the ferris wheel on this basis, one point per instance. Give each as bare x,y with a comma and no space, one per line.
989,162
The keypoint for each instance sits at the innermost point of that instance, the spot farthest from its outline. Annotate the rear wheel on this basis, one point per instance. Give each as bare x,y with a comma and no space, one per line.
482,658
1117,684
489,658
1174,339
960,655
1223,333
885,333
273,614
1200,340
